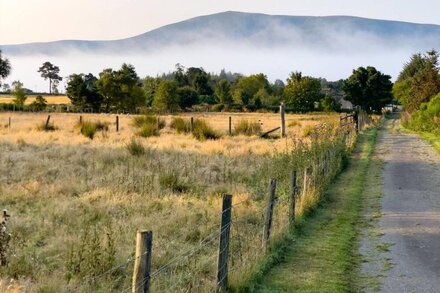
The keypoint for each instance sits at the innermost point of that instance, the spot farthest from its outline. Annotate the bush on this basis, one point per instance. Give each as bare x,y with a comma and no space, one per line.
246,127
180,125
218,107
202,131
135,148
148,125
140,121
89,128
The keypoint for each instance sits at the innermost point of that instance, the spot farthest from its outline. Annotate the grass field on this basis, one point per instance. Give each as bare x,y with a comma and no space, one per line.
76,203
51,100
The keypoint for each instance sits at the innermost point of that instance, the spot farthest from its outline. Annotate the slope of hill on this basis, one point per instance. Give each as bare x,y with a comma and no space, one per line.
257,30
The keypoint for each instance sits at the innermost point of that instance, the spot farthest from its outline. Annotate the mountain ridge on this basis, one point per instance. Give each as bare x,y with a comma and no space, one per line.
255,29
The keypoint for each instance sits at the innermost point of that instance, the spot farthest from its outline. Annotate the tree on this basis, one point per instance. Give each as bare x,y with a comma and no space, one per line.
19,93
166,97
5,67
247,87
301,93
6,88
369,89
83,92
39,104
199,80
418,81
329,104
187,97
108,87
50,71
150,86
131,94
223,92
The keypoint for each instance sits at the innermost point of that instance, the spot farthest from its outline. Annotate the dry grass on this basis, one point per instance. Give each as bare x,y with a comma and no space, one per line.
23,127
51,100
58,185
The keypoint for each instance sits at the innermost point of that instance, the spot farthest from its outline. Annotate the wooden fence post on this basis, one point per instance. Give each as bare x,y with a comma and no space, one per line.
191,124
117,123
47,121
223,250
292,196
269,212
230,126
305,182
142,263
283,119
80,119
9,123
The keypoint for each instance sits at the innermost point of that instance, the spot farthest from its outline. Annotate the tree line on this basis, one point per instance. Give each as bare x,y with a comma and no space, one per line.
192,89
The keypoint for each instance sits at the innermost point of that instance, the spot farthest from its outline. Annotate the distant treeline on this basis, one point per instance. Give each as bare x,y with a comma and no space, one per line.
194,89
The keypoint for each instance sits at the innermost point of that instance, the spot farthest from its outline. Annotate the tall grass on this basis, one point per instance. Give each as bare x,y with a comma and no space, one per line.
246,127
148,125
90,128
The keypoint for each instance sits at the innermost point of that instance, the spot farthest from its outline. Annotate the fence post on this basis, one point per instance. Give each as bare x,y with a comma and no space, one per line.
223,250
191,124
9,123
283,120
269,212
117,123
47,121
80,119
230,126
142,263
305,181
292,196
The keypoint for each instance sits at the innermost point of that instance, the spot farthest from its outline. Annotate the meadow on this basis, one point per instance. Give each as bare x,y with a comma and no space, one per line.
51,100
76,203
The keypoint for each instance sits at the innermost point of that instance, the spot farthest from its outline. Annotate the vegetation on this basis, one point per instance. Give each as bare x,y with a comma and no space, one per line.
202,131
301,93
180,125
51,72
298,263
148,125
418,89
18,93
369,89
90,128
247,127
135,148
39,104
5,67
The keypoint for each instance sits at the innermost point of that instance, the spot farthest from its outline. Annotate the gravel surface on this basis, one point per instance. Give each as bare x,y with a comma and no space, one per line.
410,220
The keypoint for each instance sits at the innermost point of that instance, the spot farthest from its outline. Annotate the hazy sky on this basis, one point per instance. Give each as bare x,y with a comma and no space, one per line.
47,20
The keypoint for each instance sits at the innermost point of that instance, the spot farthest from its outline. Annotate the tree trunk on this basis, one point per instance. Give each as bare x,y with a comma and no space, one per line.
50,86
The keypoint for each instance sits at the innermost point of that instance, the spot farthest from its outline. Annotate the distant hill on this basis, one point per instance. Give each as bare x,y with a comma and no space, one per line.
230,29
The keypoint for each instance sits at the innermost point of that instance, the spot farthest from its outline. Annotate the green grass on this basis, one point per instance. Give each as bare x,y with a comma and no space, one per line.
320,254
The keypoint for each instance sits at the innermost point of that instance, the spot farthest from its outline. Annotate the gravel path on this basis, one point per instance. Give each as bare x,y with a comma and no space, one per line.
410,219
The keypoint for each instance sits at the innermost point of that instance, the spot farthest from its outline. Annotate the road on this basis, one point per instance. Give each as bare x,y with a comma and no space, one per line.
410,220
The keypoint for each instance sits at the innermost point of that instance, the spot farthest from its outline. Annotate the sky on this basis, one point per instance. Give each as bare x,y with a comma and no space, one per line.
23,21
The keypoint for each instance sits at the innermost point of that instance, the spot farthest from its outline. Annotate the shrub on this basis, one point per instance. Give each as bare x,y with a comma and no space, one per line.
202,131
180,125
218,107
135,147
246,127
89,128
148,125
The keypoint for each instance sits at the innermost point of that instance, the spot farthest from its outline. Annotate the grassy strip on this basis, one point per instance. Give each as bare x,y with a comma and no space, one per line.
433,139
319,255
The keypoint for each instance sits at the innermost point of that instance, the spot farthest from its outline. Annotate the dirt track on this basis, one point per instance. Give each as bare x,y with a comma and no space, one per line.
410,219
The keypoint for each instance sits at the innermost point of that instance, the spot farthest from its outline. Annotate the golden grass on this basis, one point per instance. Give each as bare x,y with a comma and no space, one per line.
58,184
51,100
23,128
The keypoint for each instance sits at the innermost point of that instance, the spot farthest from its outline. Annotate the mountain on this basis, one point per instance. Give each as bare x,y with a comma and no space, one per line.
236,29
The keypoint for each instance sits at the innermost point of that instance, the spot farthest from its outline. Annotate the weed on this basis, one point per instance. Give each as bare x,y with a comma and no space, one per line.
89,128
46,127
135,147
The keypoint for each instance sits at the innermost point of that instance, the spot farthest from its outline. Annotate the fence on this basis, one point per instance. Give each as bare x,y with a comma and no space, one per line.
231,250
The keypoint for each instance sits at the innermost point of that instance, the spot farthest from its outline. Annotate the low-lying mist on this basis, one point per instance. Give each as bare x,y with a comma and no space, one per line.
276,63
